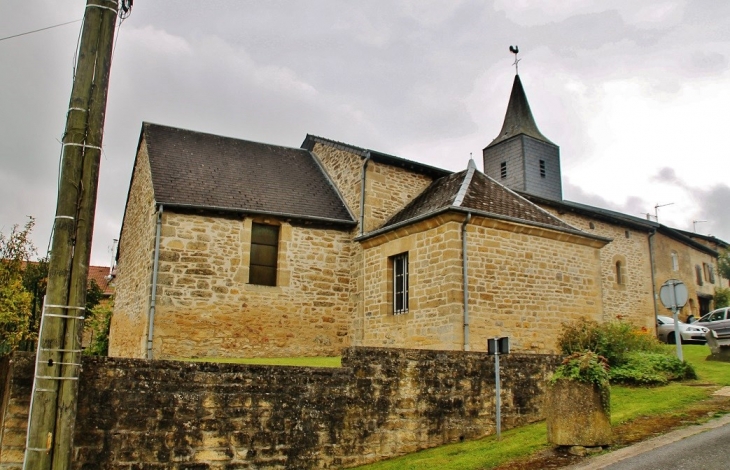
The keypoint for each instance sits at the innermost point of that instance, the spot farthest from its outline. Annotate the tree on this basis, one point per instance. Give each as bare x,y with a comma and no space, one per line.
16,250
722,297
723,263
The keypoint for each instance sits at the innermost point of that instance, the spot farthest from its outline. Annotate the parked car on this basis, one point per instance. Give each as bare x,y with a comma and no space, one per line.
689,333
715,315
718,339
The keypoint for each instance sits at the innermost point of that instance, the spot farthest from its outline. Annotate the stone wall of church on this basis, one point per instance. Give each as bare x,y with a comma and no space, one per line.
434,317
134,271
632,298
523,283
388,190
206,306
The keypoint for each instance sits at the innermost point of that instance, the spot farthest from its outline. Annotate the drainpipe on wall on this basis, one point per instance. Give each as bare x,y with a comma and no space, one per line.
653,281
362,192
153,296
467,347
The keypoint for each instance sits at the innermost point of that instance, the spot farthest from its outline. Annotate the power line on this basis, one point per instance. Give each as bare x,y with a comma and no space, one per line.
42,29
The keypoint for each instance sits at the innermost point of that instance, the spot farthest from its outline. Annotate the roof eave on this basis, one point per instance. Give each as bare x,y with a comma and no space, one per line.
283,215
490,215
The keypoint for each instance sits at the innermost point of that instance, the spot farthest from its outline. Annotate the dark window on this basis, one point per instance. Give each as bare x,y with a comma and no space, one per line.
264,252
591,225
503,170
400,283
628,234
619,274
542,168
698,272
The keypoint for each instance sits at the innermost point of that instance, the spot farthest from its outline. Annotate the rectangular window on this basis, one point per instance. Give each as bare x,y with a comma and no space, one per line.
698,273
503,170
675,262
712,273
542,168
264,252
400,283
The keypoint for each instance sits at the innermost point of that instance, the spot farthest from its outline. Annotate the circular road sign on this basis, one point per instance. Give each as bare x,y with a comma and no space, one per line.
673,294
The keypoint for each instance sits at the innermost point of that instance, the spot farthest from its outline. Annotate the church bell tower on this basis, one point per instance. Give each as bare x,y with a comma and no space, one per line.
521,158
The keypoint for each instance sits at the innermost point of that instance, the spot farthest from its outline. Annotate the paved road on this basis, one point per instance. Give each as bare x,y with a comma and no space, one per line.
704,447
707,451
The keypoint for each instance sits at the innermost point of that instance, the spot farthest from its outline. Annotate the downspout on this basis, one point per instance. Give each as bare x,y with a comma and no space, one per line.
362,192
467,347
153,297
653,281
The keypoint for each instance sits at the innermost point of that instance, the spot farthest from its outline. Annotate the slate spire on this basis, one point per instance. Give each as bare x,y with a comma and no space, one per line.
518,119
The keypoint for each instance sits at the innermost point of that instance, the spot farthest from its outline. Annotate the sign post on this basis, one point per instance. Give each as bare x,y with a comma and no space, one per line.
673,295
495,347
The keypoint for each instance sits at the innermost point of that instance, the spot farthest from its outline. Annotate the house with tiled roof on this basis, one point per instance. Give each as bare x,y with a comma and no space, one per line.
233,248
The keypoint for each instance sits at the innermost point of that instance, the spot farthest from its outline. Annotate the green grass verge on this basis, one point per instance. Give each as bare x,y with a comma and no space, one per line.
274,361
627,403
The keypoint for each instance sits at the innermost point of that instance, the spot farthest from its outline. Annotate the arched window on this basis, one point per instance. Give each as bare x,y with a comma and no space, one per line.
619,273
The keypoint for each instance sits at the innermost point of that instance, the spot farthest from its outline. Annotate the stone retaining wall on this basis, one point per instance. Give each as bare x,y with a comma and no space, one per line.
382,403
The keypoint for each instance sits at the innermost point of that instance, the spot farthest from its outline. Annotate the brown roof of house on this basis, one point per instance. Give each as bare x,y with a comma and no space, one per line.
473,191
206,171
100,274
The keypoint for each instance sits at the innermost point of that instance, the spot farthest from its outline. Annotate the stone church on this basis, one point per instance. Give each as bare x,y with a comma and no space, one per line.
232,248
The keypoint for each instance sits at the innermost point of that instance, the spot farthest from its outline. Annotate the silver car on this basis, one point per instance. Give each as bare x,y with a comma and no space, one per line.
715,315
690,333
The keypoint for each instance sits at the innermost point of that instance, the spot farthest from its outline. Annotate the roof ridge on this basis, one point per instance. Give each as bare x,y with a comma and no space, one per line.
471,167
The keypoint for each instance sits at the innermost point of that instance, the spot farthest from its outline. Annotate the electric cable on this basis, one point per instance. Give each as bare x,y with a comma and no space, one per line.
38,30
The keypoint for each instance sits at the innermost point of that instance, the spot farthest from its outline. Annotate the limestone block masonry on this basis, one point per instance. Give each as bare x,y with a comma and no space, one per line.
382,403
207,308
134,271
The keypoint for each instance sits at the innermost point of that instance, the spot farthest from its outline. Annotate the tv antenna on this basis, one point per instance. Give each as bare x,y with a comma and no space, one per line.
694,224
656,209
515,50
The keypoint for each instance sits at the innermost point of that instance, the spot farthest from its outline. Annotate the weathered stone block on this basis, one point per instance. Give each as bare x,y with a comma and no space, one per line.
577,414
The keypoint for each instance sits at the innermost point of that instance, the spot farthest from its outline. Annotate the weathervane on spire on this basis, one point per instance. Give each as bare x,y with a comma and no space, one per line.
515,50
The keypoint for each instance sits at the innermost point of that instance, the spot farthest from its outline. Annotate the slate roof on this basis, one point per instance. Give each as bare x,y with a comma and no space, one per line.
473,191
205,171
518,118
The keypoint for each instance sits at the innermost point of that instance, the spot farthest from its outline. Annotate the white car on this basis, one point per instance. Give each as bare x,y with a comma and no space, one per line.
690,333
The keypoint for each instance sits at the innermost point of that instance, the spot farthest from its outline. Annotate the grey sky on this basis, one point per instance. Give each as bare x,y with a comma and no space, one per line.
627,91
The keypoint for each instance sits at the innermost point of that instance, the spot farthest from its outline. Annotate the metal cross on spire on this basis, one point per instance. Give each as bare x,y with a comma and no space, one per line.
515,50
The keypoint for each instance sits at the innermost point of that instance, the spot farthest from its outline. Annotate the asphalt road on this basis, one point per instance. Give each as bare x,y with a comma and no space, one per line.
704,447
709,450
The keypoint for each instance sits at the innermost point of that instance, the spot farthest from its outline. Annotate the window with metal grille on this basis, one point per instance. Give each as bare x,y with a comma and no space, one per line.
542,168
264,252
400,283
503,170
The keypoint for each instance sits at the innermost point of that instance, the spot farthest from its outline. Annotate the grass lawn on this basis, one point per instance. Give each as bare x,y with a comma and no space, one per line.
626,404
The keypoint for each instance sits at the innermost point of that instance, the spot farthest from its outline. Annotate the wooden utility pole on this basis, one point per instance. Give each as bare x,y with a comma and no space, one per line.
53,404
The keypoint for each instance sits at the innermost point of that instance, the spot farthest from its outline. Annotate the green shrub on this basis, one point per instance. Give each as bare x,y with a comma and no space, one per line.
585,366
612,340
647,368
